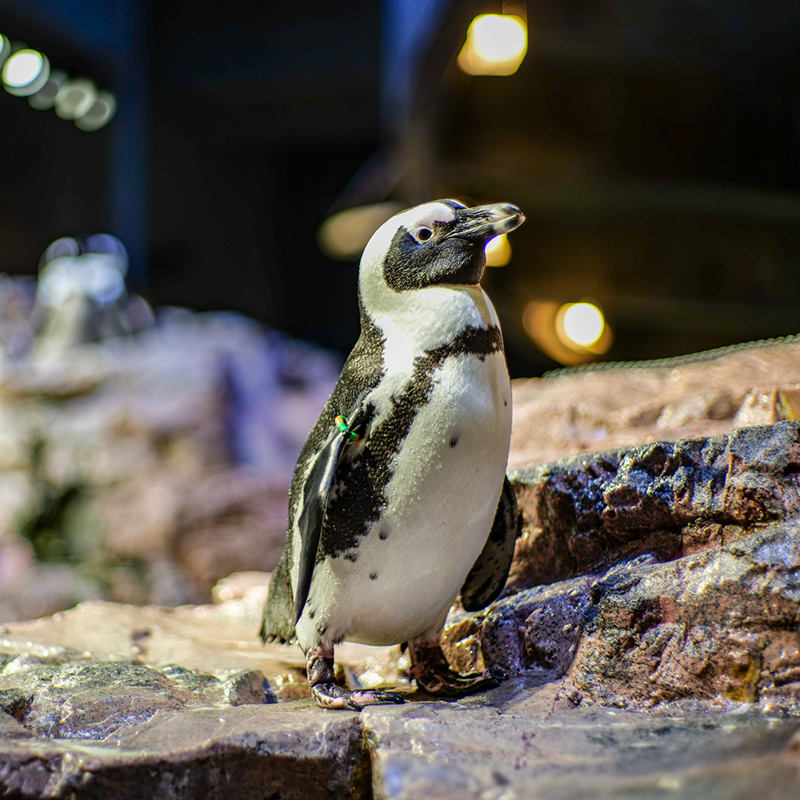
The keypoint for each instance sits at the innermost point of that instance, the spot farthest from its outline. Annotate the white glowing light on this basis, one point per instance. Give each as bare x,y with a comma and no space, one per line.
25,72
582,323
495,45
498,37
498,251
104,108
75,98
45,98
566,331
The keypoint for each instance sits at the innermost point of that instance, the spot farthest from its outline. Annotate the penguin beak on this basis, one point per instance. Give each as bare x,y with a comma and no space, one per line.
482,223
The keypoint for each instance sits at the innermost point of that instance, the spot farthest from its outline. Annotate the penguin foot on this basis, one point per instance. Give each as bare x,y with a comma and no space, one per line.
328,694
433,674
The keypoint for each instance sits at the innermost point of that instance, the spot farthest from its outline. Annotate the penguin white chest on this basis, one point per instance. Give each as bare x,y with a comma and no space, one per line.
440,501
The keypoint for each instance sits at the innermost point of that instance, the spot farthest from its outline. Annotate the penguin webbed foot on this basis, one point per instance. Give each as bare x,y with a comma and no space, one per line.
328,694
333,696
433,674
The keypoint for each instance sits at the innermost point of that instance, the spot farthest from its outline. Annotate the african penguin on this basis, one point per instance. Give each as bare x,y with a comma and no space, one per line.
399,500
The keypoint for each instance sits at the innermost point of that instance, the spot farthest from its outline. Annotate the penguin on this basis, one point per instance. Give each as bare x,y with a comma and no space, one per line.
399,501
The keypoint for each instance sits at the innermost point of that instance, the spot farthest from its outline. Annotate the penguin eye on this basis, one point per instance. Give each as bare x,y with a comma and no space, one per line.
423,234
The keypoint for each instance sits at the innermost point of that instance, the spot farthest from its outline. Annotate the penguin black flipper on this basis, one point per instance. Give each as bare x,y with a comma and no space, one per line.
488,575
315,501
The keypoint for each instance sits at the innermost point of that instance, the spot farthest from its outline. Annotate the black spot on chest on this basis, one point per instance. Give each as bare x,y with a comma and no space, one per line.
361,478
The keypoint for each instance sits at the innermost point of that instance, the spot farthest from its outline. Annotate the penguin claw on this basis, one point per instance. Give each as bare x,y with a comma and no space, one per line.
332,696
371,697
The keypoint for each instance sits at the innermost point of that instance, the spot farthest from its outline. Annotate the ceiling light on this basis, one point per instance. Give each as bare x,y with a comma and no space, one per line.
104,108
570,333
580,324
495,45
75,98
25,72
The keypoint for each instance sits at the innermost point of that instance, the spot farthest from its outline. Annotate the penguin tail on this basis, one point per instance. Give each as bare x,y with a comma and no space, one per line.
277,623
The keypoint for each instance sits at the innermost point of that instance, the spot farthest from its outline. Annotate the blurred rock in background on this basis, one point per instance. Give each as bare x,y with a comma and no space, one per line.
144,468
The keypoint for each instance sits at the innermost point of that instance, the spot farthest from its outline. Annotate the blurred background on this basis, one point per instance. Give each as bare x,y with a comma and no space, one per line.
185,189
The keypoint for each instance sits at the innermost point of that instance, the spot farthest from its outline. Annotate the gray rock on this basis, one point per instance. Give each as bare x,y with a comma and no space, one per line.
519,741
243,752
90,699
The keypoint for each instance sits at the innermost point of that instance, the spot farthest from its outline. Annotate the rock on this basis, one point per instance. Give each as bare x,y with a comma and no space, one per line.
242,752
162,702
665,573
67,699
151,466
79,726
716,628
605,409
585,513
521,742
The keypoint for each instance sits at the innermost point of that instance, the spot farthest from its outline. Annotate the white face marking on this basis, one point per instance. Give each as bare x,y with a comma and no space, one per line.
417,221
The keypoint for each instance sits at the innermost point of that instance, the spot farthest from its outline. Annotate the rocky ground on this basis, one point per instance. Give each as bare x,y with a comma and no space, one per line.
649,627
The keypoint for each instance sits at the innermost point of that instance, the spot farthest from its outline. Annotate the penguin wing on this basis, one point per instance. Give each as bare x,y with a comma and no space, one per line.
488,575
315,502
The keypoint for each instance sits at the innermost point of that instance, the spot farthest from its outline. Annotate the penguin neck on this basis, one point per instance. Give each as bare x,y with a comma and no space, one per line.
428,318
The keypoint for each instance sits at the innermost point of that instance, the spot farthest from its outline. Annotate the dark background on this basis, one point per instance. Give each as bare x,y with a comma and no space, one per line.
655,148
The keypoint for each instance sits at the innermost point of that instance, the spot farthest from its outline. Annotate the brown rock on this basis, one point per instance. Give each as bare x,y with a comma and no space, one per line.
585,513
718,627
602,409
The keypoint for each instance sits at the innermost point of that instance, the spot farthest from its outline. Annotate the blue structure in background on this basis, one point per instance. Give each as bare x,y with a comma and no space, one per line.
408,30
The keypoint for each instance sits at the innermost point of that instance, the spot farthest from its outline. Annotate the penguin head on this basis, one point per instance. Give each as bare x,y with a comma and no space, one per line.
434,244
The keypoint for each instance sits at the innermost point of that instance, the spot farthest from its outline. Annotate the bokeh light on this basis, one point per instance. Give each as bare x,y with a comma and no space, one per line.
25,72
570,333
498,251
45,98
580,324
75,98
495,45
101,112
345,234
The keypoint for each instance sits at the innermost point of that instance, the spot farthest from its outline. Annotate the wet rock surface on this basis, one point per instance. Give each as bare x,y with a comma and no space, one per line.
520,741
517,741
680,580
712,630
